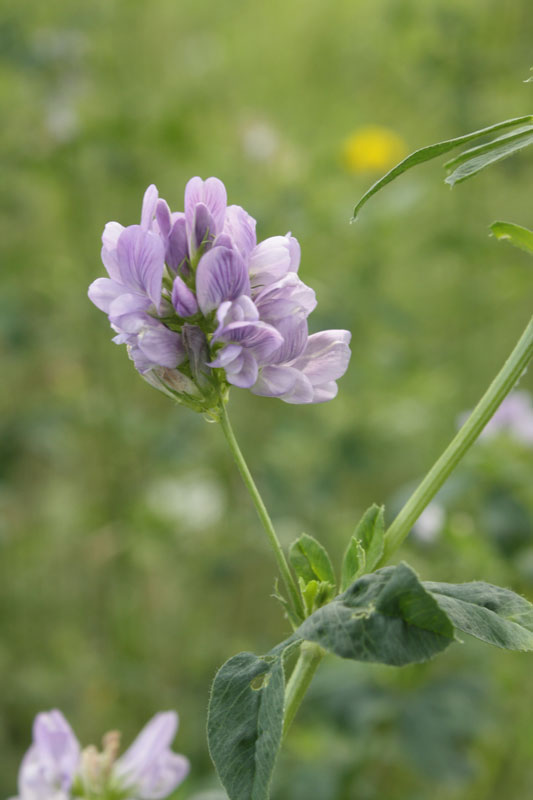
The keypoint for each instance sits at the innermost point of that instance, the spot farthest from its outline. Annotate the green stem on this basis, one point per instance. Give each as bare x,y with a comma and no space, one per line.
465,438
286,574
310,657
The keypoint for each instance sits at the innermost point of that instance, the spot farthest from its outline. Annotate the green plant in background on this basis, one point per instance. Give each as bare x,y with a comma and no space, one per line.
201,306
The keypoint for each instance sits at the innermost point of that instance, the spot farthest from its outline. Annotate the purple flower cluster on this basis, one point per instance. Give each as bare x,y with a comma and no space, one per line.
55,767
199,303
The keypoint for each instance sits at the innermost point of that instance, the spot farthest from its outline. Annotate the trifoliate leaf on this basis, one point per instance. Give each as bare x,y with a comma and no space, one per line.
387,616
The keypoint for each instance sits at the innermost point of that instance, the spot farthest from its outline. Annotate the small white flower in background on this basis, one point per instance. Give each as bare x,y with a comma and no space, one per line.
195,501
55,767
430,523
260,141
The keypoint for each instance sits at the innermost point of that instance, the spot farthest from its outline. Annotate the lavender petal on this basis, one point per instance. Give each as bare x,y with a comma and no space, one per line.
162,346
141,255
240,227
221,275
183,298
325,357
148,207
212,193
103,291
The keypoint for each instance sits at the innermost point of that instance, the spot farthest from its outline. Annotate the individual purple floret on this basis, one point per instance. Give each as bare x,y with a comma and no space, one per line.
149,769
55,767
202,270
49,767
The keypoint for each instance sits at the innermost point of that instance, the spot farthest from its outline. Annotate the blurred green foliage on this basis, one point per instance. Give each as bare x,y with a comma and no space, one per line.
132,564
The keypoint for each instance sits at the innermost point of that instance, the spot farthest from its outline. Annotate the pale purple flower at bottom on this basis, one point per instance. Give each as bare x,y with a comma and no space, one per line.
149,769
49,767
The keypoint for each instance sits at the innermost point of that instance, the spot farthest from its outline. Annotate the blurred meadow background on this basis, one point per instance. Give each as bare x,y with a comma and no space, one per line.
132,564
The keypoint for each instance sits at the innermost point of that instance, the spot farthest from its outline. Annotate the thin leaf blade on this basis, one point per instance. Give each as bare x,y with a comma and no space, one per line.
432,151
514,234
473,161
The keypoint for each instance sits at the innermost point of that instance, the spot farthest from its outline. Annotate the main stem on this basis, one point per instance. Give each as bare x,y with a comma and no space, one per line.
467,435
264,516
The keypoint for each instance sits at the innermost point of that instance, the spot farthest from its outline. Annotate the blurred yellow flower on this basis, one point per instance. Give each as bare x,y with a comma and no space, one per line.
373,147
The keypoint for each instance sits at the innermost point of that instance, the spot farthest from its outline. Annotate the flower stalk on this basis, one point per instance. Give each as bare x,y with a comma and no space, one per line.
263,514
465,438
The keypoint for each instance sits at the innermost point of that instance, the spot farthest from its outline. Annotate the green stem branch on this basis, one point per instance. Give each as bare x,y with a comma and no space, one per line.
310,657
465,438
260,507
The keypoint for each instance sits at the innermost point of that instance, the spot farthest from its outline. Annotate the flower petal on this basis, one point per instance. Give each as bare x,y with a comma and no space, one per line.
162,346
240,226
150,744
163,218
269,261
167,774
275,381
103,291
212,193
295,334
259,337
183,298
148,207
178,244
287,297
221,275
326,356
141,257
243,371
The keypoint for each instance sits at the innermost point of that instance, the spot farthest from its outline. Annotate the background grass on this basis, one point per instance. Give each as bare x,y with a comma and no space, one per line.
132,564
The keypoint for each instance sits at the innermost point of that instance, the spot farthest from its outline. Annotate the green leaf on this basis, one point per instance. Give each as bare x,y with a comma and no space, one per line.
490,613
514,234
245,723
353,563
474,160
387,616
310,560
434,151
371,533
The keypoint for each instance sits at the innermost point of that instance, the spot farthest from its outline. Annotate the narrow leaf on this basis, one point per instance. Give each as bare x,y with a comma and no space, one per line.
245,722
310,560
514,234
387,616
371,533
473,161
434,151
353,563
490,613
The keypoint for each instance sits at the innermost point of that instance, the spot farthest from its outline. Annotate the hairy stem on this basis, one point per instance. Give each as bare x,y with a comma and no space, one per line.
249,482
465,438
310,657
